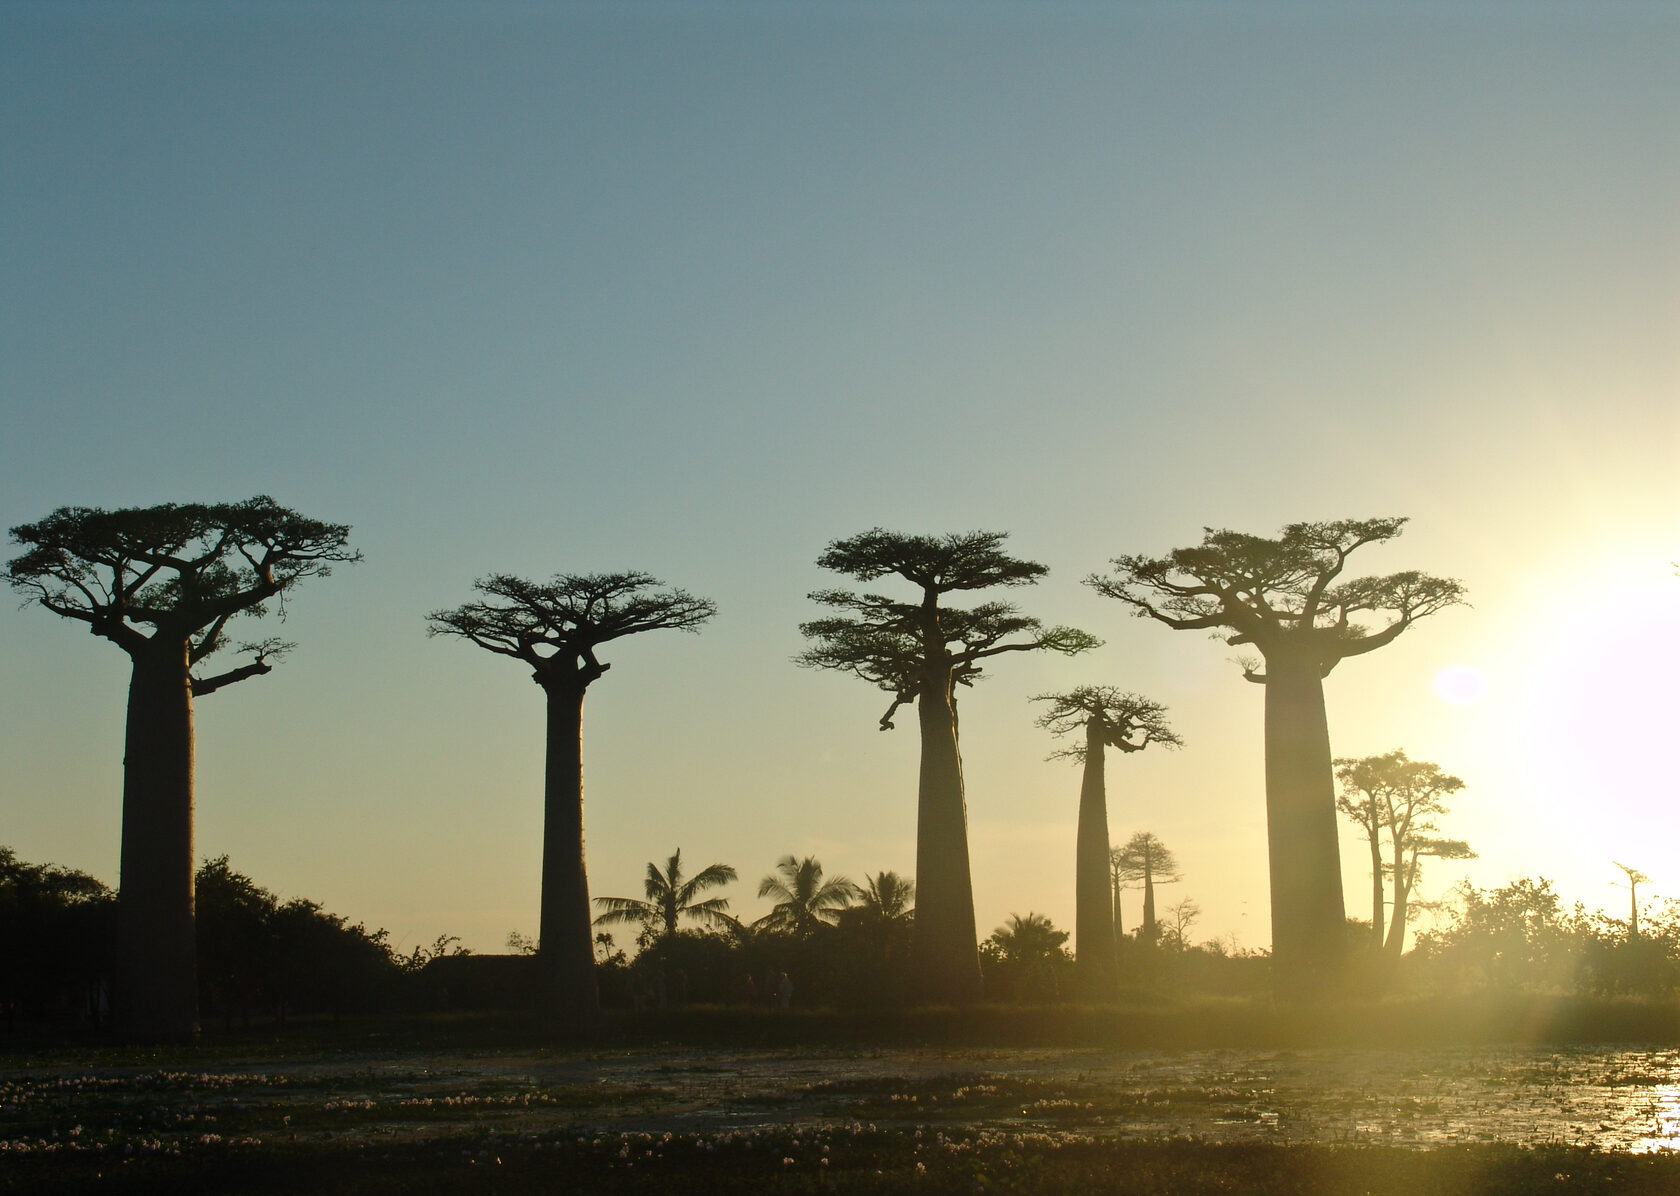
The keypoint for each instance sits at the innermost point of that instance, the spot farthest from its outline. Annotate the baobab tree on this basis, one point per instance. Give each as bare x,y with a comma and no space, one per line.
920,651
1147,861
1635,878
1107,717
671,896
554,627
1287,599
186,571
1400,797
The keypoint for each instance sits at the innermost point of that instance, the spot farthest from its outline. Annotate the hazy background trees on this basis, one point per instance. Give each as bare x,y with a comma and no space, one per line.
1401,799
1144,861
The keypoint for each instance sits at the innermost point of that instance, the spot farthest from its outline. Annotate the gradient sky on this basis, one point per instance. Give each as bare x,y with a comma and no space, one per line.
696,288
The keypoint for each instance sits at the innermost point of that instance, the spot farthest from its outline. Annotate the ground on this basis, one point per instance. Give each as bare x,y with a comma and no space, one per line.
355,1112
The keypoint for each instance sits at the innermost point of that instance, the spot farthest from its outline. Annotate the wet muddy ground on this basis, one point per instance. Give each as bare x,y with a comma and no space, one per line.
1616,1099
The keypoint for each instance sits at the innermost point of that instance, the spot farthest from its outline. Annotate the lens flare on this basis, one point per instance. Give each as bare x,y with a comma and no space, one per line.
1460,684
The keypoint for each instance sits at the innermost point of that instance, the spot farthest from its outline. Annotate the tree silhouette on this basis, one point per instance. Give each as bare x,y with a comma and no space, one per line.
1146,860
1026,958
186,571
920,651
670,896
1114,879
1400,797
554,627
1108,717
1285,597
887,897
1179,918
1635,878
804,900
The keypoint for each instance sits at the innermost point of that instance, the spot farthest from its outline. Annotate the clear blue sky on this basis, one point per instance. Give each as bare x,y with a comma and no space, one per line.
696,288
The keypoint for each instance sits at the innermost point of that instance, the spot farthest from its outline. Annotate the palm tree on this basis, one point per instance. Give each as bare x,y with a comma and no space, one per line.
669,896
1028,939
804,901
888,898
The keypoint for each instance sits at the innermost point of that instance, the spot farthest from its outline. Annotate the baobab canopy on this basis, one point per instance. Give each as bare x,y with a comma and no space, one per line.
1286,597
186,570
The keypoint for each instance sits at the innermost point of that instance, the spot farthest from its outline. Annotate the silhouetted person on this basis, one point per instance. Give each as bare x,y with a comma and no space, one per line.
784,991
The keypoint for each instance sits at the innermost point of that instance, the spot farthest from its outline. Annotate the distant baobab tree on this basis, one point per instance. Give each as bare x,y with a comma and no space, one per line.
1108,717
1401,798
920,651
1286,598
1635,878
187,571
671,896
1147,861
554,627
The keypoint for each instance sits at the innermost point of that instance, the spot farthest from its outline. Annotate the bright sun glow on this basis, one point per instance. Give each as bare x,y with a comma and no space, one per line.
1460,684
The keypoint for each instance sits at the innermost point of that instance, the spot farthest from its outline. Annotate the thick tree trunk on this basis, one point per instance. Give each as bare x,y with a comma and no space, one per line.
565,939
1308,914
156,991
944,952
1377,891
1151,931
1402,902
1094,964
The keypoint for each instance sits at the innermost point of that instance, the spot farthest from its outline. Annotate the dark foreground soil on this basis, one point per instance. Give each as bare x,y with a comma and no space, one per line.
886,1161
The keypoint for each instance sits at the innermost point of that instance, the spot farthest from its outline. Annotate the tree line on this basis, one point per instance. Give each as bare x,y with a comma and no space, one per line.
844,946
165,583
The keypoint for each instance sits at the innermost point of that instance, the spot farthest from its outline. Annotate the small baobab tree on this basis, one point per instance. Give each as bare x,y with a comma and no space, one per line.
1147,862
1400,798
1286,598
1105,717
164,584
1635,878
670,897
554,627
1180,916
919,651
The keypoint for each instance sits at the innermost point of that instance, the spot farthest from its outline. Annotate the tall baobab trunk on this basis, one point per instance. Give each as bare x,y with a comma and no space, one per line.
1094,962
1308,916
1405,874
1151,930
565,942
156,991
1377,890
944,950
